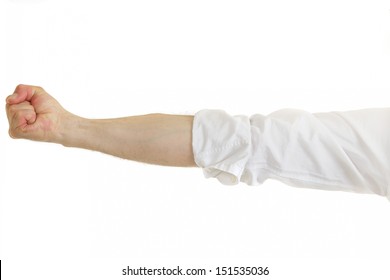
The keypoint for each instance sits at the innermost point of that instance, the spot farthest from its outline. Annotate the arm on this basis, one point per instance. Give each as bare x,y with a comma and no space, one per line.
156,138
332,151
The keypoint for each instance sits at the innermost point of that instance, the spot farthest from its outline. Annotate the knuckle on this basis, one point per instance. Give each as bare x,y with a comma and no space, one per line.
37,89
19,87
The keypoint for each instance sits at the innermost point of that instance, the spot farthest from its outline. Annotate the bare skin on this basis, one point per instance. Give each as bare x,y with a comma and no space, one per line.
156,138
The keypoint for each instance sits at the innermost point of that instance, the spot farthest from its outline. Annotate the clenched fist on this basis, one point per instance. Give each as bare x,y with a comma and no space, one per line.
33,114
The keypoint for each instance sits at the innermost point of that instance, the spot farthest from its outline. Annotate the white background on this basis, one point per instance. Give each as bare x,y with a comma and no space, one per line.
75,214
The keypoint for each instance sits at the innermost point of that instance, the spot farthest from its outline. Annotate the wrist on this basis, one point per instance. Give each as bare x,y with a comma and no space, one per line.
68,130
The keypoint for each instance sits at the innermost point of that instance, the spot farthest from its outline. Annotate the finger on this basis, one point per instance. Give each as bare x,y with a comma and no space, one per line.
23,93
12,109
20,126
21,114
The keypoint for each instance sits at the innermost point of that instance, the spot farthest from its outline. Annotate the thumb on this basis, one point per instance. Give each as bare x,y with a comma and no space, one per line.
22,93
12,98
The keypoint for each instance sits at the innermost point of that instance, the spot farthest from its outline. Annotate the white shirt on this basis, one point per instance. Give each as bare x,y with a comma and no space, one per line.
347,151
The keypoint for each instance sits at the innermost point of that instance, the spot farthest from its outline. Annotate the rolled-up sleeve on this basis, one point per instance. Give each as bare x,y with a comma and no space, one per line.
221,144
347,151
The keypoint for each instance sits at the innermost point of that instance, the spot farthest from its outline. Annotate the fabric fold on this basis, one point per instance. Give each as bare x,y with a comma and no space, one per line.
347,151
221,144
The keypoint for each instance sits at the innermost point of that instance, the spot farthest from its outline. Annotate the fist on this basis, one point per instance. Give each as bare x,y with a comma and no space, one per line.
33,114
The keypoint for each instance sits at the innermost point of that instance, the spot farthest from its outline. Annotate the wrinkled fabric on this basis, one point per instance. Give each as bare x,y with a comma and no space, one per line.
347,151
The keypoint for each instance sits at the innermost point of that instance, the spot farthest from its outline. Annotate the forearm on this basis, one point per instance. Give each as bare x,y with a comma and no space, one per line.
155,138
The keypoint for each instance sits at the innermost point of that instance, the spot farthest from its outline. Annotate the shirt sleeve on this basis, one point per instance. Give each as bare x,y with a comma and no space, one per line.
348,151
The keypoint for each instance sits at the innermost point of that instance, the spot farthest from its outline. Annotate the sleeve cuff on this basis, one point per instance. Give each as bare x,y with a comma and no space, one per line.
221,145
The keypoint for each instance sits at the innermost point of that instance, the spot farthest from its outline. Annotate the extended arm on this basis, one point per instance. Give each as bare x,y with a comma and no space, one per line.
156,138
346,151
